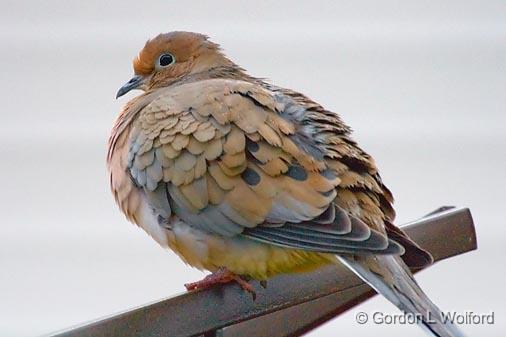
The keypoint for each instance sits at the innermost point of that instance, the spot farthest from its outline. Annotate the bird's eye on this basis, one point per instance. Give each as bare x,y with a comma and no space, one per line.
166,60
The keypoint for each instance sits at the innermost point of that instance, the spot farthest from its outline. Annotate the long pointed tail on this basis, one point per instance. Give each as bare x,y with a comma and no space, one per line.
400,288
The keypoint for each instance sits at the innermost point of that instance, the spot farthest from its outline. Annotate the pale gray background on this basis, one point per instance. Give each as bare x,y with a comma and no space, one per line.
423,83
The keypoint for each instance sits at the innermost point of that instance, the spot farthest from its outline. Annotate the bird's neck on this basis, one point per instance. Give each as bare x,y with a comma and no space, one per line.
232,72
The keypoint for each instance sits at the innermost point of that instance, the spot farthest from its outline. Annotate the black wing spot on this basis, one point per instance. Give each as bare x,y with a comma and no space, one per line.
252,146
296,172
250,177
355,164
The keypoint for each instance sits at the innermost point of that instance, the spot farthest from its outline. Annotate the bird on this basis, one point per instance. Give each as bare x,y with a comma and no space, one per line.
248,180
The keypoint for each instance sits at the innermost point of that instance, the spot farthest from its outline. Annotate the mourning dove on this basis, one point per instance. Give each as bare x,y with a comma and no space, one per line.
248,180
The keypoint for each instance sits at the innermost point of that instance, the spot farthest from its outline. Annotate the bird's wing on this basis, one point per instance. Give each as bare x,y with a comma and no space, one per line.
234,158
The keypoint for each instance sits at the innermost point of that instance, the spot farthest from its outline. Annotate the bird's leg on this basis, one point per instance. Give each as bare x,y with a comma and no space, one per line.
222,275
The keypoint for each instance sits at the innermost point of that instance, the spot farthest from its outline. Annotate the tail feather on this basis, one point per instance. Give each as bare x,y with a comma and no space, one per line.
402,290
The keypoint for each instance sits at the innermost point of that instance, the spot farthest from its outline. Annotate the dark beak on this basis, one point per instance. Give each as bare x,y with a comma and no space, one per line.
134,83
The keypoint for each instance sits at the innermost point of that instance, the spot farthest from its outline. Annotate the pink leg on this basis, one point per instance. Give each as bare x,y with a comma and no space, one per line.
222,275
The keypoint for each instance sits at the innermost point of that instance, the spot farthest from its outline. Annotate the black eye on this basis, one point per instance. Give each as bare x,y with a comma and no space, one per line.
166,60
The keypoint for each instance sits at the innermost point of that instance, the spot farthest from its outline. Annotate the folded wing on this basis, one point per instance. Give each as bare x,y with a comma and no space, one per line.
234,158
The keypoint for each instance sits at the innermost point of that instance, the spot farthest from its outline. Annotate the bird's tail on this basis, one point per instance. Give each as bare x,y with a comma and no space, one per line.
395,282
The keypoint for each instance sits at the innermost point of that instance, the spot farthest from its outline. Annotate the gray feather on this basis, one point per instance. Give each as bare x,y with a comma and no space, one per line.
281,241
404,293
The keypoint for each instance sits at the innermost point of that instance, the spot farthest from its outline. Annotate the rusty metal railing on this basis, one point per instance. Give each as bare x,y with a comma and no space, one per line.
290,305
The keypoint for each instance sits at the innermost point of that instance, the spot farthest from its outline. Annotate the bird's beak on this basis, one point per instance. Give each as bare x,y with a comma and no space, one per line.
134,83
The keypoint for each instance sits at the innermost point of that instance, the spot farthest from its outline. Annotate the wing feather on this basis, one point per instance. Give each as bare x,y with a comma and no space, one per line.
235,159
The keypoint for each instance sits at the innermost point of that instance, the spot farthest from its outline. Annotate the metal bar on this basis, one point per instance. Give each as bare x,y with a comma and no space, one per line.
204,312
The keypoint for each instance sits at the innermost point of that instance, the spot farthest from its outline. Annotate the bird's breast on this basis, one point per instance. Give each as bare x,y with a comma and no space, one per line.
240,254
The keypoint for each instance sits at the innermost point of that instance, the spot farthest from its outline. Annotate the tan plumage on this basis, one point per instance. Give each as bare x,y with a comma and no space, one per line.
231,172
202,123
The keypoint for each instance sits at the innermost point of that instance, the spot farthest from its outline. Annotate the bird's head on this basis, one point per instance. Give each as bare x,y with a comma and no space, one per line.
170,57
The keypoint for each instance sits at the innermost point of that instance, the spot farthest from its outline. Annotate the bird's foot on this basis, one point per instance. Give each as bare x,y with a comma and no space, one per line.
222,275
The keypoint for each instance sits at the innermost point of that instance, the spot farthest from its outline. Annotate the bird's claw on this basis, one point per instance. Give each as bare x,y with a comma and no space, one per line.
222,275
